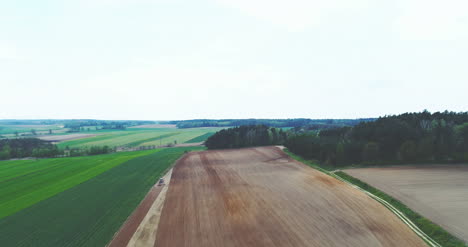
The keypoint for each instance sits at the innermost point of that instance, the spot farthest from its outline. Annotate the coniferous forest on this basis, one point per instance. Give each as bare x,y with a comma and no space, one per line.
405,138
246,136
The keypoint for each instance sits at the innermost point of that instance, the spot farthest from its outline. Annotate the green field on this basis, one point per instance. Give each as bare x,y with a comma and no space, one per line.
89,213
26,182
200,138
11,129
134,137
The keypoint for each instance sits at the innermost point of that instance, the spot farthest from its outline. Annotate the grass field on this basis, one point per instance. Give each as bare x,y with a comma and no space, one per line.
89,213
11,129
200,138
26,182
134,137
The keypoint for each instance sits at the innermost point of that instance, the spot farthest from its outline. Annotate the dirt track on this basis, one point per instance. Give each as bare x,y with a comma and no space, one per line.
260,197
439,193
126,232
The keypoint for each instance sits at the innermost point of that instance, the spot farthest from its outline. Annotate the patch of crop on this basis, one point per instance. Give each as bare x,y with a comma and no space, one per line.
89,213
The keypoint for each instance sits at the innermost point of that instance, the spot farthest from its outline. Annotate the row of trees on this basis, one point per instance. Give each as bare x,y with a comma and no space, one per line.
83,124
296,122
27,147
33,147
93,150
246,136
408,138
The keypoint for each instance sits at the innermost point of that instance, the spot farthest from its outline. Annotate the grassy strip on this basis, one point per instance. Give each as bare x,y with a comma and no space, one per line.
313,164
200,138
26,182
90,213
139,142
432,230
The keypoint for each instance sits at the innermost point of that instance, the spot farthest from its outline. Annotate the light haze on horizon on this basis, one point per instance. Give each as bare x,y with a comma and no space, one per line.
172,59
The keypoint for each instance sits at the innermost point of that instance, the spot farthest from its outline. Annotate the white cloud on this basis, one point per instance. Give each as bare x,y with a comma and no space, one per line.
296,15
9,52
432,19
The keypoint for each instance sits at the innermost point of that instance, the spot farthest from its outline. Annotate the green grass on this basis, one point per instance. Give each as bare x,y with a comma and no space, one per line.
11,129
139,142
201,138
311,163
89,213
431,229
26,182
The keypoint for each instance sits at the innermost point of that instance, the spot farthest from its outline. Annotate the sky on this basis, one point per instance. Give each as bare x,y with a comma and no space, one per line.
173,59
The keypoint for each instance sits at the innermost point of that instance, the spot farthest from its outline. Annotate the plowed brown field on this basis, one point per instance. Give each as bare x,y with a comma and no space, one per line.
439,193
261,197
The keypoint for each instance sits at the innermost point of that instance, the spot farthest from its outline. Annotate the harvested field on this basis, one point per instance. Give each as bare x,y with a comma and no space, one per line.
261,197
439,193
60,138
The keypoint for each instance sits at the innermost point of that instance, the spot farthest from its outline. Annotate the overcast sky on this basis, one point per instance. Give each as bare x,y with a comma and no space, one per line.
171,59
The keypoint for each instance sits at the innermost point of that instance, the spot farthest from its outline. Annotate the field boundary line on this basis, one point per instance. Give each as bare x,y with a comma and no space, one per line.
116,242
394,210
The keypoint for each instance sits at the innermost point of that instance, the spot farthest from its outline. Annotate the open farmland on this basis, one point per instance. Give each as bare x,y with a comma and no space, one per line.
65,137
439,193
261,197
89,213
10,129
134,137
26,182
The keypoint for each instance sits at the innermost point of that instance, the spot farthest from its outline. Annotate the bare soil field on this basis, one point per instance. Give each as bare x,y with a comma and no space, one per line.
439,193
261,197
60,138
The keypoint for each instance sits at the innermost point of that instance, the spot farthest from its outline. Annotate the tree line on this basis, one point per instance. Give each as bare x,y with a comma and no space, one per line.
33,147
405,138
84,124
296,122
26,147
246,136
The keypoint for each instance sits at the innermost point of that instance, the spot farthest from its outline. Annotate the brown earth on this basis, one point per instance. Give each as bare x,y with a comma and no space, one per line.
439,193
261,197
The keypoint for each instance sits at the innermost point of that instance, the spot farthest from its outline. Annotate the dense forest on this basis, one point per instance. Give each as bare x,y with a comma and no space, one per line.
26,147
296,122
33,147
246,136
406,138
